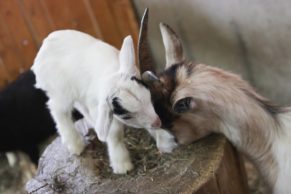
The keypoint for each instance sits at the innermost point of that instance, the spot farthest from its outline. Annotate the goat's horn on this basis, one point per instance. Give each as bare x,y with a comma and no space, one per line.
144,57
149,77
173,45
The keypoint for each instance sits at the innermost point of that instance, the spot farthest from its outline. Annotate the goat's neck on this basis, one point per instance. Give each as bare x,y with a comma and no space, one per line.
255,131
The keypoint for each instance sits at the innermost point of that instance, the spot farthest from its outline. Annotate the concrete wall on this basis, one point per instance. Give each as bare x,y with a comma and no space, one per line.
251,38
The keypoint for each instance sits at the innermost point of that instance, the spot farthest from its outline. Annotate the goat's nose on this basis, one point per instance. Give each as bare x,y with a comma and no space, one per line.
157,123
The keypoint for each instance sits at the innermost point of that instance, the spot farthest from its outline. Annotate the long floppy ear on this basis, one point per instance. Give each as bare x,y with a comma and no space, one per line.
127,57
104,119
173,46
184,105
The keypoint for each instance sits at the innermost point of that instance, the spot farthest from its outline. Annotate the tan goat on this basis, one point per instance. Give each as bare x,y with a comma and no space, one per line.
194,100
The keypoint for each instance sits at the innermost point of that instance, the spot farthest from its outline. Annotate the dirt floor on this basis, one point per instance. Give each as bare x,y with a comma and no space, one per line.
13,179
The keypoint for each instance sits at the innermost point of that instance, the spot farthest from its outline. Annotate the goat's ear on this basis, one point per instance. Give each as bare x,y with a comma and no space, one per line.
184,105
172,44
151,80
104,119
149,77
127,57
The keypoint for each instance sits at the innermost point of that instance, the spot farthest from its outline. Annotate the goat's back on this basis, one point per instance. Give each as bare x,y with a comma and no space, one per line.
69,55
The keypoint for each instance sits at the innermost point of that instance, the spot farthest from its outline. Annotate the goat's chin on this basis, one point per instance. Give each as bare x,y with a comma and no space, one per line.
133,125
184,138
129,124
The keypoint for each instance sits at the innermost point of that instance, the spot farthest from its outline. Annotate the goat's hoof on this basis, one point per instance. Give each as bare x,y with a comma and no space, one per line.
122,167
76,147
167,147
166,142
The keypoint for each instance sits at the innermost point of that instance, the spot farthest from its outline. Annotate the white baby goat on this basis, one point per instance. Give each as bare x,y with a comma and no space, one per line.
79,71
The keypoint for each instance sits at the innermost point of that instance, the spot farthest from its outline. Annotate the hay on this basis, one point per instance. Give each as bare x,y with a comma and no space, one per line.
143,152
61,172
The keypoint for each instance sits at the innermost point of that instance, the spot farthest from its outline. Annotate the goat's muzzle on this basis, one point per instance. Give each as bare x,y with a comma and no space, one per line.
157,123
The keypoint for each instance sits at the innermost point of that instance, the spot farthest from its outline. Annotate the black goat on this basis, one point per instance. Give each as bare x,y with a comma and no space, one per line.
25,121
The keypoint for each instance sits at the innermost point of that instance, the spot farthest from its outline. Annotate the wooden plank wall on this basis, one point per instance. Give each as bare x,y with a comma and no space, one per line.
25,23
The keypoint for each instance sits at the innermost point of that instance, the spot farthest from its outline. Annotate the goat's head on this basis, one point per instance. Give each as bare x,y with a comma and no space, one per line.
197,99
168,103
127,98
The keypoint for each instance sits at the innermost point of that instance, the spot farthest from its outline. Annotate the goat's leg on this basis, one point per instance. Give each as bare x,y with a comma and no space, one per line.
12,158
61,112
32,152
165,140
118,153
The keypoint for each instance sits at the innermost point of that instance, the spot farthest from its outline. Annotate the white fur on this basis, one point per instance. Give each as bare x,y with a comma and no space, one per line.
282,152
12,158
79,71
165,140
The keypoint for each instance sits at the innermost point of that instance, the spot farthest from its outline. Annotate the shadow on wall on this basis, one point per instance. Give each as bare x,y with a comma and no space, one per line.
246,37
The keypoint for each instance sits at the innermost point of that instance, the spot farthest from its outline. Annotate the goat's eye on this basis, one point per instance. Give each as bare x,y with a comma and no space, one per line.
183,105
127,117
117,107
